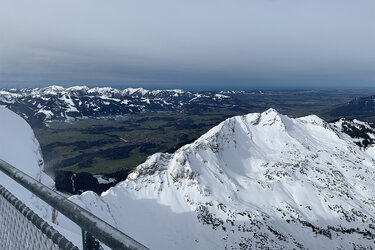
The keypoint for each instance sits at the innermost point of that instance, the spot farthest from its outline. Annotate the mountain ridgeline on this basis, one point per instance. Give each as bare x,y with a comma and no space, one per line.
54,103
39,106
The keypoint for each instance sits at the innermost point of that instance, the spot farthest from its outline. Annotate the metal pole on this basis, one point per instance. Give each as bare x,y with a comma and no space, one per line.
89,242
101,230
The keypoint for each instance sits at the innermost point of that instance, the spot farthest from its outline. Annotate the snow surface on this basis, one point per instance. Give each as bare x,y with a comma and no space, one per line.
254,181
20,148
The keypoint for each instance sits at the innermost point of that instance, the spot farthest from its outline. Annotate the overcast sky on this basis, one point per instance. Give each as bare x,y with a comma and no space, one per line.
188,44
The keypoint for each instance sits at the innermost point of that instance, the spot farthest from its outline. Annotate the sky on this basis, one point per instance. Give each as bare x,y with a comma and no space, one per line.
188,44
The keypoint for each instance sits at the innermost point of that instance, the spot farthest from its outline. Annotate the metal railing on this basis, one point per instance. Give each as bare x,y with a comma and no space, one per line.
89,223
21,228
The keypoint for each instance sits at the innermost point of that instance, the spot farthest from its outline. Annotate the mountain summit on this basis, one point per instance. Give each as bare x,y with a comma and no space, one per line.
263,180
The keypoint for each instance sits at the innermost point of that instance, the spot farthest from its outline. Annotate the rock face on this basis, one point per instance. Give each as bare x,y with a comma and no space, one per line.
254,181
41,105
20,148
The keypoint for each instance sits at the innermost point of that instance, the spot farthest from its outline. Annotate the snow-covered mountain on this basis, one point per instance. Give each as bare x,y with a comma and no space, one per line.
262,180
40,105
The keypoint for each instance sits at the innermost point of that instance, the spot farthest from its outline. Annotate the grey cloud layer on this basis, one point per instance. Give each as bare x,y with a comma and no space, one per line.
181,43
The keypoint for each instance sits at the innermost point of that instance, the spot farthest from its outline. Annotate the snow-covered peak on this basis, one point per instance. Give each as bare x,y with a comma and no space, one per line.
77,88
8,97
263,180
131,91
271,117
52,90
102,90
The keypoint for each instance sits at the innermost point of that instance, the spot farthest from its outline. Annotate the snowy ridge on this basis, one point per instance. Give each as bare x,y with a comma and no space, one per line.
254,181
41,105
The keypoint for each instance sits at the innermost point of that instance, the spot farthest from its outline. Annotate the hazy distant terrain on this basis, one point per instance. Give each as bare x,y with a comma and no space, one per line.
359,108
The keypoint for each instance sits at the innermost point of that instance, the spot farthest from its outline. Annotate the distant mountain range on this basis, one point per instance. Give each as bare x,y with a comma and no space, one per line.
40,105
360,108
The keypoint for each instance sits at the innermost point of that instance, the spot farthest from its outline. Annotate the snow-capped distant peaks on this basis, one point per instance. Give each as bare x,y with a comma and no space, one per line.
53,88
78,88
131,91
41,105
50,90
102,91
8,97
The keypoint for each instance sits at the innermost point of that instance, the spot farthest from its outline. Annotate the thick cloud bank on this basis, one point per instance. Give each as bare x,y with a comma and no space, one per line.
180,43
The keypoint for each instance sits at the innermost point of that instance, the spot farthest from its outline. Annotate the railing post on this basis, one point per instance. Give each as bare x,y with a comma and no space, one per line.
89,242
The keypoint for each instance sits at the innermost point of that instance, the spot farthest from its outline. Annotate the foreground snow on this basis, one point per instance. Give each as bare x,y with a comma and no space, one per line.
20,148
260,180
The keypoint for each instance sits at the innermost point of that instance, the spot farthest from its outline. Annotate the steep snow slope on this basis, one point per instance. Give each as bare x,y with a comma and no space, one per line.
260,180
19,147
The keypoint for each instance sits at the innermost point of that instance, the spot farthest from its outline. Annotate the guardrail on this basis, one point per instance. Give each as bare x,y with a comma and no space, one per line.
89,223
21,228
